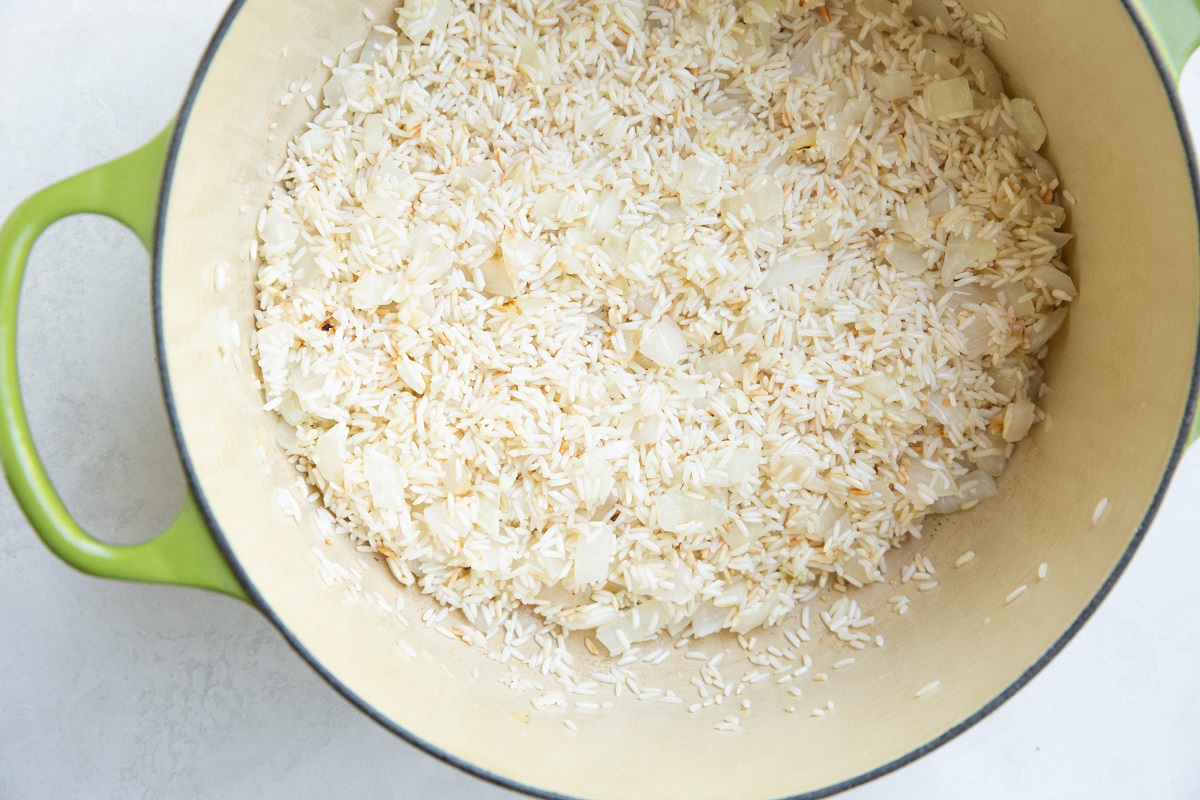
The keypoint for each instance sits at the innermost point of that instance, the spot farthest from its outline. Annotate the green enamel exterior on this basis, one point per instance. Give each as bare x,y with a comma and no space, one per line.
1175,26
127,190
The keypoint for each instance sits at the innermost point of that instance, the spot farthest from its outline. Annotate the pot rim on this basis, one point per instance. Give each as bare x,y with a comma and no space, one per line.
1181,441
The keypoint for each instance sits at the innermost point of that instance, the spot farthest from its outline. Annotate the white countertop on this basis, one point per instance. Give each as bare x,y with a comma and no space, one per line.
116,690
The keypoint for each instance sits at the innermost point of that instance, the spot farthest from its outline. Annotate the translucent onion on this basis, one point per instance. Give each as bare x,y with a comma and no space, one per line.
804,63
789,270
974,487
386,481
1045,169
907,259
963,254
676,512
700,178
1018,419
723,363
632,626
329,454
498,278
648,430
914,220
457,475
757,615
1053,279
976,336
987,77
951,416
419,18
945,99
373,133
371,291
1030,128
708,619
893,86
279,232
604,216
536,62
956,299
1057,238
951,48
593,554
663,343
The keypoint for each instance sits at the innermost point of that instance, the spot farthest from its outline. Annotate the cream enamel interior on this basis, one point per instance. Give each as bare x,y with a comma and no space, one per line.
1119,372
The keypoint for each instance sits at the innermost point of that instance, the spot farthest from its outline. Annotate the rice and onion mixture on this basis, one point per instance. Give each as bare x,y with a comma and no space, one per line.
650,317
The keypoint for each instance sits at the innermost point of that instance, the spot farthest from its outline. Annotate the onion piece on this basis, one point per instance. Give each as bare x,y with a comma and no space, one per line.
593,553
893,86
945,99
1030,127
987,77
973,488
498,278
708,619
373,133
907,259
914,221
329,454
951,48
676,512
419,18
789,270
1054,279
804,63
1044,330
1045,169
700,178
976,335
1057,238
963,254
755,616
648,430
371,291
1018,419
538,65
386,481
663,343
723,363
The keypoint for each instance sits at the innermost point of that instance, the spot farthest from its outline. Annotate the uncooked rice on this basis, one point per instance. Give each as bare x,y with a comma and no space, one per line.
651,318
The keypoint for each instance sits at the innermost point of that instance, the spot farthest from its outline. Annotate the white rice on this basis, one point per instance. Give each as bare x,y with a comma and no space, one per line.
515,316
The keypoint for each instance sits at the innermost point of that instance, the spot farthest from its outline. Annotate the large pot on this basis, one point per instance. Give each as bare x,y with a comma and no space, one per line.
1123,375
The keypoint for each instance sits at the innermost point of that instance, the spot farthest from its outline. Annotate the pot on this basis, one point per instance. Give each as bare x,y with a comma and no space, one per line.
1079,495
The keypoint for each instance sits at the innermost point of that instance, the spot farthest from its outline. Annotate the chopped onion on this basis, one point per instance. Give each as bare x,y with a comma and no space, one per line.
942,202
789,270
498,279
373,134
419,18
371,291
882,387
345,87
1045,169
1057,238
663,343
951,416
956,299
643,249
536,62
522,252
676,512
723,363
386,480
991,462
907,259
976,335
604,216
708,619
764,198
987,77
927,482
285,435
1053,279
1018,419
804,62
914,221
314,140
893,86
756,615
700,178
951,48
880,9
648,430
1030,128
1044,330
637,624
593,554
676,586
329,453
974,487
279,232
1016,299
457,475
412,374
946,99
962,254
756,12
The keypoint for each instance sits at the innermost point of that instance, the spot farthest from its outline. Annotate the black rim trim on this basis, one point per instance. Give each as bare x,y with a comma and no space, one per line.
222,543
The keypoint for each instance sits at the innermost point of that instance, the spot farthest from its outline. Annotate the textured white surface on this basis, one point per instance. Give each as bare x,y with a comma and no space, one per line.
113,690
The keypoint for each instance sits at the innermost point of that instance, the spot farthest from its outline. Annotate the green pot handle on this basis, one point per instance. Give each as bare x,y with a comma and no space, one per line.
1175,26
126,190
